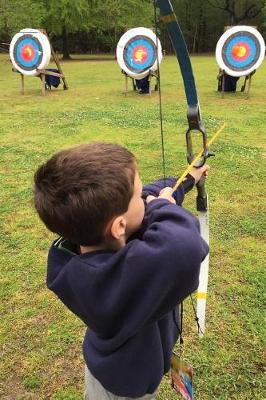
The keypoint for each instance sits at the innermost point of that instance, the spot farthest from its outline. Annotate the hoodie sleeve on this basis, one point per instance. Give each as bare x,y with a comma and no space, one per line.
163,268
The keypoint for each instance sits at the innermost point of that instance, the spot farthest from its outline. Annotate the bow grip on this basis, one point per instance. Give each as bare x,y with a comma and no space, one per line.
202,198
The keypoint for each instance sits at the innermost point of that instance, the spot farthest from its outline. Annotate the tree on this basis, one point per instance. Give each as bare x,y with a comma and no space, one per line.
264,20
201,24
239,11
202,21
16,15
111,18
66,16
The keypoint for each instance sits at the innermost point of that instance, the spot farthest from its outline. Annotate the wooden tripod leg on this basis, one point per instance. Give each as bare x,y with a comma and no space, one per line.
22,84
223,84
244,84
56,60
126,83
43,84
134,84
156,84
249,85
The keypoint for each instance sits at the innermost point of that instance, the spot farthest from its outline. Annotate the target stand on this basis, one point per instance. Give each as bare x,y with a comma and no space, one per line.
30,53
139,54
151,74
247,79
239,52
228,83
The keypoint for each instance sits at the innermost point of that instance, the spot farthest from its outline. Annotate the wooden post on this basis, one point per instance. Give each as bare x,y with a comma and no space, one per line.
134,84
249,84
43,84
149,79
243,87
22,84
223,83
126,87
56,60
156,87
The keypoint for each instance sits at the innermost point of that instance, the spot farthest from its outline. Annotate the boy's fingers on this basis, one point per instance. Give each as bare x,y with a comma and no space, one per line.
205,168
149,198
197,173
167,191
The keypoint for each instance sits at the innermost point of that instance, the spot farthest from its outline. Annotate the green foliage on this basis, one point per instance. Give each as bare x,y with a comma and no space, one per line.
122,15
111,18
67,394
72,15
264,19
203,22
32,382
16,15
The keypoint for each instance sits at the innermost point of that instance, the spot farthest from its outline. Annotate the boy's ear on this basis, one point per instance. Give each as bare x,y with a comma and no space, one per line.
118,227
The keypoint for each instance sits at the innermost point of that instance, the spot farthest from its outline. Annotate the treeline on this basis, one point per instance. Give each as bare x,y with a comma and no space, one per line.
93,26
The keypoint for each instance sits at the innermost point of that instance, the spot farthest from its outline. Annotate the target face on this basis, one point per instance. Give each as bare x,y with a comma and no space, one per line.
30,50
240,50
137,52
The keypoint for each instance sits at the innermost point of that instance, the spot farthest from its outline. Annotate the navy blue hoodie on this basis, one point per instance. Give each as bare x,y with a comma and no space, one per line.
128,298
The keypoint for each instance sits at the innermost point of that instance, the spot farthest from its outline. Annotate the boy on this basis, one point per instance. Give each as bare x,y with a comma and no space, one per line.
125,260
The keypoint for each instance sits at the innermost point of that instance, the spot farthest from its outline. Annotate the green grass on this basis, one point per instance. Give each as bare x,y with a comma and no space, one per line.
41,340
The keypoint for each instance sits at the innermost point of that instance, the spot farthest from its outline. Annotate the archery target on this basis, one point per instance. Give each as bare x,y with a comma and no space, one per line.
30,49
240,50
136,52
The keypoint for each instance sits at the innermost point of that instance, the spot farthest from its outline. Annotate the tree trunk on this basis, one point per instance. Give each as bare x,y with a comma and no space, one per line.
66,55
233,14
195,39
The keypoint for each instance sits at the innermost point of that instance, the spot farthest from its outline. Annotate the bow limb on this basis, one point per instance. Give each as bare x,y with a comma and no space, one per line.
195,123
203,215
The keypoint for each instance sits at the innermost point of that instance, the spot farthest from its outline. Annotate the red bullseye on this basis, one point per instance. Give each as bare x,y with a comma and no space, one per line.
27,53
140,54
241,51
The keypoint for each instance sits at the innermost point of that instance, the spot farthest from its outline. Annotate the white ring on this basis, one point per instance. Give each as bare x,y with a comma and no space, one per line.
124,40
46,48
225,36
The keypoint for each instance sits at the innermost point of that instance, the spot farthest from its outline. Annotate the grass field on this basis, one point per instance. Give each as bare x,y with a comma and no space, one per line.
40,340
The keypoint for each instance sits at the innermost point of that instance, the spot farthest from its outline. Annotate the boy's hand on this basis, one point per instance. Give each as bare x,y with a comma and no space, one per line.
166,193
197,173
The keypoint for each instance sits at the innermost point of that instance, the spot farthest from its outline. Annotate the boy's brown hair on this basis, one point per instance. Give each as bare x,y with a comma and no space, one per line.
79,190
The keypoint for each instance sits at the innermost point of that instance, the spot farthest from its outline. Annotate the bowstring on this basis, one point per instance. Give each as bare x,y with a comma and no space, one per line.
159,91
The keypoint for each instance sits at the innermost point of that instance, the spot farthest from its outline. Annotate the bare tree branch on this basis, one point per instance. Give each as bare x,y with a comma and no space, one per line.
229,6
249,14
215,5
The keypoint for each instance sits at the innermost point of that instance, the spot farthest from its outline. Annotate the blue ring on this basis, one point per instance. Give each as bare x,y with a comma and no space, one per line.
128,54
37,59
228,52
